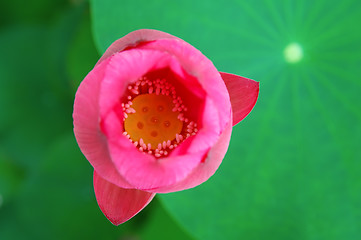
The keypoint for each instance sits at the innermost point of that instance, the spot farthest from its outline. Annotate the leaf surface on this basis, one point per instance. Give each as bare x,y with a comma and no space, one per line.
292,170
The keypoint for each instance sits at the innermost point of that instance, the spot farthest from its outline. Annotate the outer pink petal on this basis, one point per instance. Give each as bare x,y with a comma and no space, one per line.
205,169
90,139
134,38
243,93
119,204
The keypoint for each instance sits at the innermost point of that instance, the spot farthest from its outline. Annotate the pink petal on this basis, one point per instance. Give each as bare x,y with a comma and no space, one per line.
125,68
199,66
205,169
119,204
146,172
133,39
90,139
243,93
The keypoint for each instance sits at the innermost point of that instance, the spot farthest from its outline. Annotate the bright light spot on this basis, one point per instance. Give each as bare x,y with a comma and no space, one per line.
293,53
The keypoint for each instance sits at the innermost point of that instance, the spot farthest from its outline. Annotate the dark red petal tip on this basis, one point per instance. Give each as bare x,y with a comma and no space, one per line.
119,204
243,93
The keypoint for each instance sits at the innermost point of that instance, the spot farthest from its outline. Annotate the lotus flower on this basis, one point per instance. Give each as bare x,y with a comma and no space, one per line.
155,116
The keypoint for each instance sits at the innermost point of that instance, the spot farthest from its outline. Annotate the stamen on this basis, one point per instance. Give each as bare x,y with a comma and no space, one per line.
164,144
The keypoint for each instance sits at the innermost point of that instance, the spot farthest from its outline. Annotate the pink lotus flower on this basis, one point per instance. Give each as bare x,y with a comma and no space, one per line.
155,116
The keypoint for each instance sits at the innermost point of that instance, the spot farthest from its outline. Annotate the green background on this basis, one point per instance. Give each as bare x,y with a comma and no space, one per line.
293,167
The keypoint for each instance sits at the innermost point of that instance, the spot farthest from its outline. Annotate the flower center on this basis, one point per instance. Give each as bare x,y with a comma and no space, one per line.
155,117
153,120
